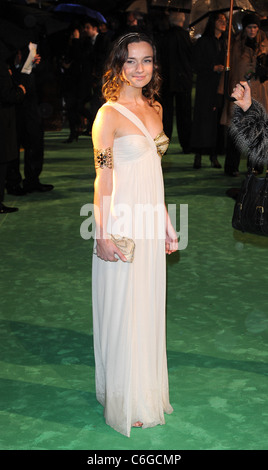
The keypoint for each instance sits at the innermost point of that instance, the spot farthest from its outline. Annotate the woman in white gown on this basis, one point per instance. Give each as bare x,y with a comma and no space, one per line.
129,298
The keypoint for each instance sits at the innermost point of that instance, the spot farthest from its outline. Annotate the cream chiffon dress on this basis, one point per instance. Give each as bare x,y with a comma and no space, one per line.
129,298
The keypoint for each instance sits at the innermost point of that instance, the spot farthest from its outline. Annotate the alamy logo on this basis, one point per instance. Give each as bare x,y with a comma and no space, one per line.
145,221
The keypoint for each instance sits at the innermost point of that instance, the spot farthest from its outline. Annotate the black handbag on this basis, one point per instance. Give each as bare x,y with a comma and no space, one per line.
251,207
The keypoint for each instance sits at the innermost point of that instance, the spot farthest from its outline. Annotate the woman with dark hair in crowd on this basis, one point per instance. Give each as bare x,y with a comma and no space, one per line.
129,297
208,58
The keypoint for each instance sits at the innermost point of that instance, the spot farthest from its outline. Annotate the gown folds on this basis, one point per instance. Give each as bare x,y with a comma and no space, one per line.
129,298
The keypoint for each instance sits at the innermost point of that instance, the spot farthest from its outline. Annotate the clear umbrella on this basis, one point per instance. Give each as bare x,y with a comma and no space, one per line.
261,7
139,6
182,5
202,8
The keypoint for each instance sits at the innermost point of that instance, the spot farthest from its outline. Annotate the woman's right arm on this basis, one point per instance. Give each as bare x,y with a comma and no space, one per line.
103,132
249,125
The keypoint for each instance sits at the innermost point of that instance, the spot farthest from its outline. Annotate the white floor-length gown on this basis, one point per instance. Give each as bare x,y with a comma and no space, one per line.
129,298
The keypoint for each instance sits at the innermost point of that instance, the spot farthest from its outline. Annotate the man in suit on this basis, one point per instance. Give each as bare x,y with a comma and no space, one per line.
176,70
95,49
10,95
30,135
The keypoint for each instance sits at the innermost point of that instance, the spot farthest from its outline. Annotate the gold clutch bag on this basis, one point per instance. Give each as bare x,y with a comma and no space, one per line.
125,245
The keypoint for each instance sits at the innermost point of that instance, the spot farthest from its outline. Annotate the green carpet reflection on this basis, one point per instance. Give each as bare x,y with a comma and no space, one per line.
217,323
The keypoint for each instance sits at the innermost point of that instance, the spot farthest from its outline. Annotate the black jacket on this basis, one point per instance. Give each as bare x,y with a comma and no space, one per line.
250,132
10,95
176,60
208,52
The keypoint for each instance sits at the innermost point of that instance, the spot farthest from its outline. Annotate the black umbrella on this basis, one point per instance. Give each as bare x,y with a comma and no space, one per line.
107,6
75,9
34,19
12,38
103,6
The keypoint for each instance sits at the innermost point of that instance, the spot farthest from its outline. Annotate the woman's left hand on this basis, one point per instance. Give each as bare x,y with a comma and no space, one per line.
171,240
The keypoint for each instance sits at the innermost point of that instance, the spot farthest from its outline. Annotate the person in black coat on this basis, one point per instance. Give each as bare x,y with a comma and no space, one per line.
71,73
208,58
10,95
30,135
95,50
176,71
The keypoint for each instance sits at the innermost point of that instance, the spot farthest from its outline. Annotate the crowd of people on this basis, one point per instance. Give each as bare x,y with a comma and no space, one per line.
186,65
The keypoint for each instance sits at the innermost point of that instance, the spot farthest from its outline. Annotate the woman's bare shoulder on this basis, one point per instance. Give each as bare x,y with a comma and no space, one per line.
106,112
106,116
105,124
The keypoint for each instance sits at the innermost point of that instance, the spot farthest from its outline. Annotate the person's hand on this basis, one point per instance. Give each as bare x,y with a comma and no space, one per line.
242,95
107,250
218,68
37,59
171,240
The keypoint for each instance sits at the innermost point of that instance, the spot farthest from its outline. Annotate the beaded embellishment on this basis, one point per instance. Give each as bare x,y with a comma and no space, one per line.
103,158
161,142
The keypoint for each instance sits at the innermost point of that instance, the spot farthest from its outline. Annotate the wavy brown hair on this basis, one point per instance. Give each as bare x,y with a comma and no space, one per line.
112,79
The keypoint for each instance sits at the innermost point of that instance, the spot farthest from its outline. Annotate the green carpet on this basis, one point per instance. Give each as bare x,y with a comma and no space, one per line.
217,319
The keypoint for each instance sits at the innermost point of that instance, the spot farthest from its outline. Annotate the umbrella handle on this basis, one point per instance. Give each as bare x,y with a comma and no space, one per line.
226,83
227,68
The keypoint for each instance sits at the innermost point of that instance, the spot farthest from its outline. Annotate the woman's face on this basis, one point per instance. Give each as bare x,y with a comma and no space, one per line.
252,30
220,24
138,68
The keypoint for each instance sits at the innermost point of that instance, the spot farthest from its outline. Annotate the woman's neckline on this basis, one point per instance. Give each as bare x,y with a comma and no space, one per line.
115,103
